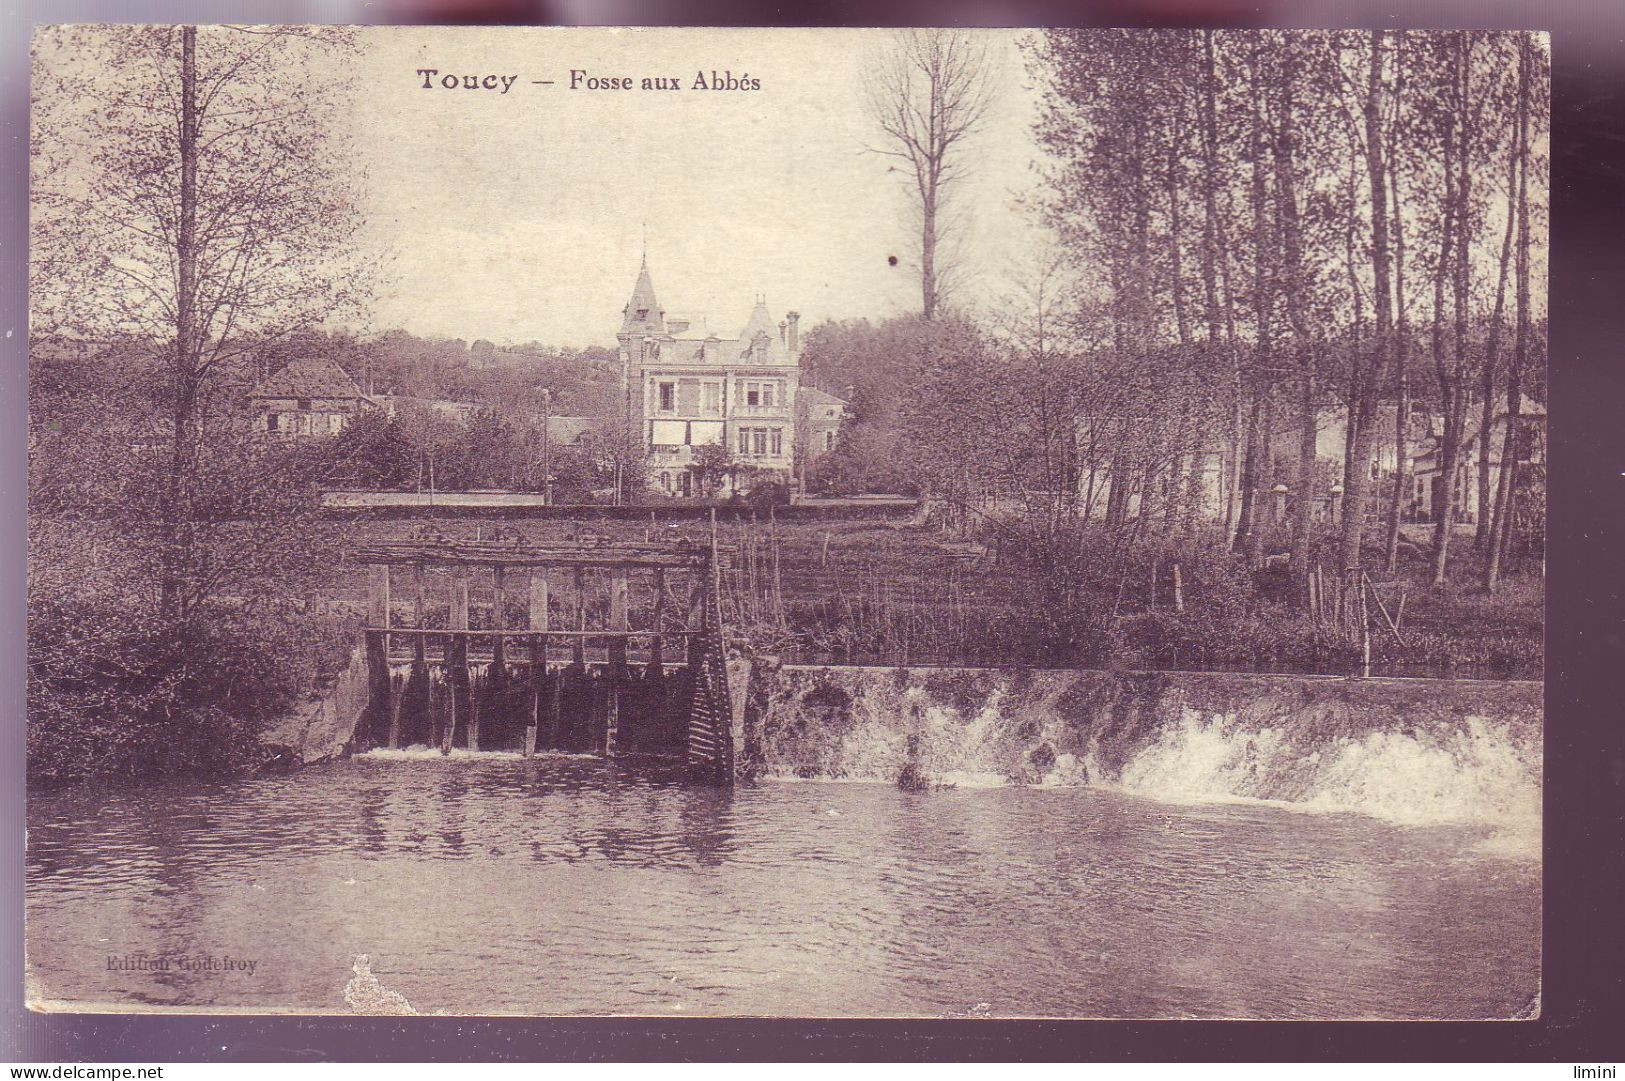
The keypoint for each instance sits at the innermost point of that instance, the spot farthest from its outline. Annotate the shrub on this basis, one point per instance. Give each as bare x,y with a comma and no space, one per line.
111,694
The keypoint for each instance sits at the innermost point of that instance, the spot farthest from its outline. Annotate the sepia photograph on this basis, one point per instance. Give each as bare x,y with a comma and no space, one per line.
828,523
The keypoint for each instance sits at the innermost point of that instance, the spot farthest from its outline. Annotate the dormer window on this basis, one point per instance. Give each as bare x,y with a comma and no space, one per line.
643,313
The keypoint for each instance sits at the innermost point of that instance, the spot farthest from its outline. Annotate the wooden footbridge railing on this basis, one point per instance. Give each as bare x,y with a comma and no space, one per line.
563,646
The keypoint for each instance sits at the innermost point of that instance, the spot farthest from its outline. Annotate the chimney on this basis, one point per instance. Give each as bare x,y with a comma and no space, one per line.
793,341
782,325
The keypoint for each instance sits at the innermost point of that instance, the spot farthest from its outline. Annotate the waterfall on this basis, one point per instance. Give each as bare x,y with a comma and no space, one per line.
1413,752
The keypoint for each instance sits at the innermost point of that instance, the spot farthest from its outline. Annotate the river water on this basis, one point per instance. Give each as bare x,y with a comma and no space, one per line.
562,885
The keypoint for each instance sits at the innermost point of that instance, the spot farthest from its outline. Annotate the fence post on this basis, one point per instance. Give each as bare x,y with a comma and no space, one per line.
1365,634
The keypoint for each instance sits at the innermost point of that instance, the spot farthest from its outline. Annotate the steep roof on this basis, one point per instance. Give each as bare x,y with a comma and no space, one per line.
643,300
759,322
308,378
813,398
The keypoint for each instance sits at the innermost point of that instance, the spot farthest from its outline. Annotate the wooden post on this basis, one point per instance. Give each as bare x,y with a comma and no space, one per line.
448,654
383,683
379,690
1365,635
538,655
499,598
459,601
378,598
657,651
778,581
555,713
395,697
618,621
459,622
579,652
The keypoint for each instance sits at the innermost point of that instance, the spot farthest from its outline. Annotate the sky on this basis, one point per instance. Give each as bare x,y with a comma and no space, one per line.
523,215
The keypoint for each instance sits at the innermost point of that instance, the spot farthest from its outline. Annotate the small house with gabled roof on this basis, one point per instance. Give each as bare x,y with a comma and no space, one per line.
307,398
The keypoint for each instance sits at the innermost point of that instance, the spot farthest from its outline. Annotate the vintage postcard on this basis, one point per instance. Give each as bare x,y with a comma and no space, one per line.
791,523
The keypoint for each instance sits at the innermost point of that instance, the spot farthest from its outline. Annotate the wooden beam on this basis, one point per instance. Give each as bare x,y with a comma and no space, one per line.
378,595
475,553
413,632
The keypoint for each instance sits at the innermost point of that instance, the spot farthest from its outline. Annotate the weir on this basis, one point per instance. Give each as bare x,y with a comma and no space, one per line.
1409,750
574,646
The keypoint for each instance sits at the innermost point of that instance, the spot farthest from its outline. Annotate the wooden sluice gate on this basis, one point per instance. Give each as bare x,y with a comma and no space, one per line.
575,646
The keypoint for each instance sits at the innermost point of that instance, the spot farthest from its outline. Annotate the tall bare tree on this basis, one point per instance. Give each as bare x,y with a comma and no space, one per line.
928,93
194,194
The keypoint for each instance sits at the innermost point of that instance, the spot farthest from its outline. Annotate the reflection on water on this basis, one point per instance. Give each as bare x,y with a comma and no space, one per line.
568,885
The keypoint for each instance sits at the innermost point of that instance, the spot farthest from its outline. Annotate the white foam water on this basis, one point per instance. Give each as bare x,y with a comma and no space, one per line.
421,752
1479,773
1412,771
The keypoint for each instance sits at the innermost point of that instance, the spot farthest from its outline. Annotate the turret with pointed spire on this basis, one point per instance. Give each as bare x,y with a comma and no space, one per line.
643,314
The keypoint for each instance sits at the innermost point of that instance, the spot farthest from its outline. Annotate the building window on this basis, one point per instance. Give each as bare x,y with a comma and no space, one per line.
665,481
758,441
753,395
767,395
776,443
713,397
304,403
744,441
668,397
270,421
829,440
